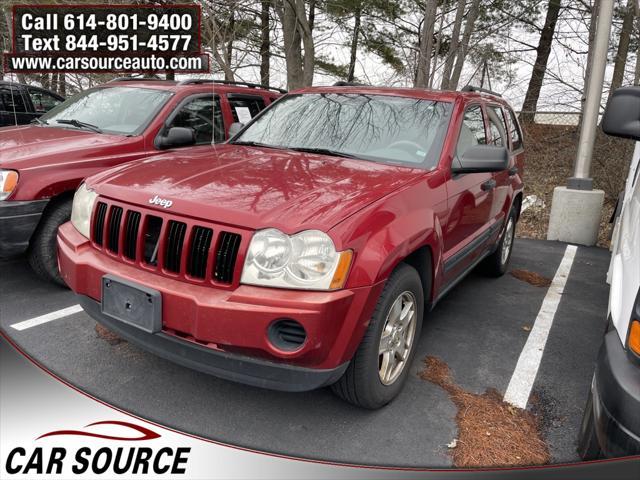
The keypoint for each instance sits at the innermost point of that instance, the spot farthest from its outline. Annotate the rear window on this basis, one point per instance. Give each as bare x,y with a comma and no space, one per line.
11,100
514,131
244,108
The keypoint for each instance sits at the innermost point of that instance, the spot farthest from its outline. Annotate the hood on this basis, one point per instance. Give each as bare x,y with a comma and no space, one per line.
28,146
251,187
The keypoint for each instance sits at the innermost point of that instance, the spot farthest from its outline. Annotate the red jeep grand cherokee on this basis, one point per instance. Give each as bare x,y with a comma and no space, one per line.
305,252
41,165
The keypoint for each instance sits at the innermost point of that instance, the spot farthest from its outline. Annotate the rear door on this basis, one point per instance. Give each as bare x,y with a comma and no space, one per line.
16,108
498,129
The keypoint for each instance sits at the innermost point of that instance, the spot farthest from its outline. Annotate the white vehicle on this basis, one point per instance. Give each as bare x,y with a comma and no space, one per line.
611,422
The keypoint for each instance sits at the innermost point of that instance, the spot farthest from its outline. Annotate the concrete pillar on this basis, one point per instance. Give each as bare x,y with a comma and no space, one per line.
576,209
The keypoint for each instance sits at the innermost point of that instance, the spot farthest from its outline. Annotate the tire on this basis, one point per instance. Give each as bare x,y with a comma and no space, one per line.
588,446
42,253
496,264
362,383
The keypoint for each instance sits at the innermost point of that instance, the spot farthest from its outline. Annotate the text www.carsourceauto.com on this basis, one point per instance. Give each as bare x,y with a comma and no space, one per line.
102,63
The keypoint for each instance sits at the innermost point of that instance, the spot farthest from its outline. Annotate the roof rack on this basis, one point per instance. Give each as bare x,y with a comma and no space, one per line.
137,79
470,88
342,83
199,81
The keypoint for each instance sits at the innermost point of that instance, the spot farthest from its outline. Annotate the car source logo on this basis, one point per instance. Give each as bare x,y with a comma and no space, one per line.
160,202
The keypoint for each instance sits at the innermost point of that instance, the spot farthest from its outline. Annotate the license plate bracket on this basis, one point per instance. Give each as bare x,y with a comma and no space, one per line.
133,304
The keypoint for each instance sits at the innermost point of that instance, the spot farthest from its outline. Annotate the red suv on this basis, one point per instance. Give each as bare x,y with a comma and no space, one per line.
42,164
306,251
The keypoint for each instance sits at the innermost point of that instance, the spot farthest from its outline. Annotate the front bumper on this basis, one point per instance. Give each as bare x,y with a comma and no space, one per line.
18,221
225,332
251,371
616,400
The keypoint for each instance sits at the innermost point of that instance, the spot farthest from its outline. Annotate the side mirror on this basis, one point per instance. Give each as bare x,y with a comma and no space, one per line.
622,115
177,137
234,128
482,159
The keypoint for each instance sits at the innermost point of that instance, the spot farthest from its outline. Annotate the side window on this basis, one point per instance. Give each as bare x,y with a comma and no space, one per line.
514,131
204,117
42,101
472,131
12,100
244,108
498,129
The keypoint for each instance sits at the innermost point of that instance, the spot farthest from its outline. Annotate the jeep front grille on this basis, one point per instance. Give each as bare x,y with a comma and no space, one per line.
98,225
199,251
226,257
192,250
115,216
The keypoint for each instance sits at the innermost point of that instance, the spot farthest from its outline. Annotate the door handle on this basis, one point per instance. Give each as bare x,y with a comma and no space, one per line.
513,171
488,185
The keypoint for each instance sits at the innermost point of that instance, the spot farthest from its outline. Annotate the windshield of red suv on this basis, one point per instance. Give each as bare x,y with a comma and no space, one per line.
380,128
118,110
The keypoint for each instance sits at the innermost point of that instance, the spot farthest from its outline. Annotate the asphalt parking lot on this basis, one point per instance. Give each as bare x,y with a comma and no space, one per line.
479,330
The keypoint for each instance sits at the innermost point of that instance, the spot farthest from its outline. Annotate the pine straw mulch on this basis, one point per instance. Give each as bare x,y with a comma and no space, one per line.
550,153
531,278
491,432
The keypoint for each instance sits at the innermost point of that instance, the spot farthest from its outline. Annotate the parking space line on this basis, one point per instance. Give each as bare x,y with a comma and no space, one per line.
33,322
526,370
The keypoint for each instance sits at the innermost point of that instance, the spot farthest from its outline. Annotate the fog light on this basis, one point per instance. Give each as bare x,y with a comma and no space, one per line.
634,337
287,334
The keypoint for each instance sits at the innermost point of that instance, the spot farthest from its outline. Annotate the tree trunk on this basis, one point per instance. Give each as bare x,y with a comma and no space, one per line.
62,84
426,44
464,44
305,28
228,75
354,45
636,76
291,39
436,49
540,67
623,46
595,10
265,43
45,81
453,45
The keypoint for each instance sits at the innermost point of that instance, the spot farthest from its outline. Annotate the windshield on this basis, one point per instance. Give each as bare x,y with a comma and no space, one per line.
379,128
119,110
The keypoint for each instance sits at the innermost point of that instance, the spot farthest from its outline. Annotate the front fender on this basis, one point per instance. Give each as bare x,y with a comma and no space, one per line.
388,231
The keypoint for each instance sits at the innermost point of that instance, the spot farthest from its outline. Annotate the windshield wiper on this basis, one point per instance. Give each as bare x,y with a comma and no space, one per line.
78,124
255,144
324,151
39,122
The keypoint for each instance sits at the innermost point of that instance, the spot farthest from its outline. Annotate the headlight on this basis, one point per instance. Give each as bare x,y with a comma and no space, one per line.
83,202
8,182
307,260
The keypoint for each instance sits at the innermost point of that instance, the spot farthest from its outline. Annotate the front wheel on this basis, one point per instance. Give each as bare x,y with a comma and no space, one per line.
42,253
381,364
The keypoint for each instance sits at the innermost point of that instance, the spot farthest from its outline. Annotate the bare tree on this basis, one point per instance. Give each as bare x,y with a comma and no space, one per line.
453,45
623,45
469,27
265,42
542,57
426,44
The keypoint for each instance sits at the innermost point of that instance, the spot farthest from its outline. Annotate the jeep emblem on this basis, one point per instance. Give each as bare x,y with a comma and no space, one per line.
161,202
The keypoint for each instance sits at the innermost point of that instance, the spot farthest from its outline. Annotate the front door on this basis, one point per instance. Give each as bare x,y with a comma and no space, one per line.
470,199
